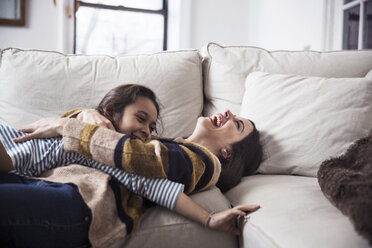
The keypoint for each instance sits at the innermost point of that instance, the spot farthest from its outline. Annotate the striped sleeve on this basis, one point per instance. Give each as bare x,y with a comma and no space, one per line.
159,190
32,157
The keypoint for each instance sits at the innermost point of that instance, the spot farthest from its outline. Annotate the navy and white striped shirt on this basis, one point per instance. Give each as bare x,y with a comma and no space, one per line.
35,156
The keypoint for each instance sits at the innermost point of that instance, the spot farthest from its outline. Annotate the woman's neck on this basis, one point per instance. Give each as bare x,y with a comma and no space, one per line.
202,142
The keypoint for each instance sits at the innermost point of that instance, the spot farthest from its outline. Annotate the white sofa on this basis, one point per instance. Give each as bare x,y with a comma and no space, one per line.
309,106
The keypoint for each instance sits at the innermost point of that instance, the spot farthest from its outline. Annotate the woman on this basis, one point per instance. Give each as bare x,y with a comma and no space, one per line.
221,135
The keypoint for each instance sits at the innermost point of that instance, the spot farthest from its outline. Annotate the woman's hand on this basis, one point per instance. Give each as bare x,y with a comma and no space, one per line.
43,128
222,221
92,116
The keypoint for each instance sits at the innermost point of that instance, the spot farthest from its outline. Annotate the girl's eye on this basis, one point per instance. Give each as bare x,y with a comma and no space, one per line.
140,119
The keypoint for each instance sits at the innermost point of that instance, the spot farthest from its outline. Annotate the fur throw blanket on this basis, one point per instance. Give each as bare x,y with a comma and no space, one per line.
347,182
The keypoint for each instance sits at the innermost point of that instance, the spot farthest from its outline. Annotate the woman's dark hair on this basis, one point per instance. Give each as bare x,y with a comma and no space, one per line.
119,97
245,159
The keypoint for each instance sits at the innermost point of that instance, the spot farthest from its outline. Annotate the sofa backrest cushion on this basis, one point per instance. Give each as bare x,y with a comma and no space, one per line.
35,84
226,68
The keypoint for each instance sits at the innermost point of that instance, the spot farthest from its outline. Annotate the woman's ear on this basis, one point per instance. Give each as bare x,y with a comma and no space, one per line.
225,152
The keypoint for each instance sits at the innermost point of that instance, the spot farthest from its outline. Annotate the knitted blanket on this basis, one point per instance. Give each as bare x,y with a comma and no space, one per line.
192,165
347,182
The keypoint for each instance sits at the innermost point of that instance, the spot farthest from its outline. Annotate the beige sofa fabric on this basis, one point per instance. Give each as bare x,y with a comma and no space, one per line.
226,68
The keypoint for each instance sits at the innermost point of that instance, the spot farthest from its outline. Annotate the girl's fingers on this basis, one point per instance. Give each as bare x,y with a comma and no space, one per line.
27,137
22,139
26,129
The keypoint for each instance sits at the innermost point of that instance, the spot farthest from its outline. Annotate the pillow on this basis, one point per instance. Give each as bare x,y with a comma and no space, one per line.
227,67
305,120
36,84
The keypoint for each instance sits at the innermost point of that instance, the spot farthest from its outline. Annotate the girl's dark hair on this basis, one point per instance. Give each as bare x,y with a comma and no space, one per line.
245,159
119,97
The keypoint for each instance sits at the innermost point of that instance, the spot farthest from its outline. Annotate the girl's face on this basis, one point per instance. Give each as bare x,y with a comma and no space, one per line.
222,130
138,119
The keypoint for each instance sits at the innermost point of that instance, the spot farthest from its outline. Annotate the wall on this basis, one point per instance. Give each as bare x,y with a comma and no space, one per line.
271,24
40,31
286,24
221,21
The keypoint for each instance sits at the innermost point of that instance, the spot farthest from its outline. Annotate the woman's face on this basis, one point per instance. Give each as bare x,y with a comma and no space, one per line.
139,119
222,130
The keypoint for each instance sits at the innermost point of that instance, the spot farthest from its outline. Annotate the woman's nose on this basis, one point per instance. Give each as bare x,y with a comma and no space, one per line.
228,114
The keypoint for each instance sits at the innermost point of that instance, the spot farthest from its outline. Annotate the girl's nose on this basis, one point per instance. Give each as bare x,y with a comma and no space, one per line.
146,133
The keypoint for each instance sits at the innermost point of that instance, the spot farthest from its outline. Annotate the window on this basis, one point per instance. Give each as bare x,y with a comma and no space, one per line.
120,26
357,24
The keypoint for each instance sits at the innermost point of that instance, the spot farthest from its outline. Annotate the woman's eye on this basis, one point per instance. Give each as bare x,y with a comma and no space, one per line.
237,124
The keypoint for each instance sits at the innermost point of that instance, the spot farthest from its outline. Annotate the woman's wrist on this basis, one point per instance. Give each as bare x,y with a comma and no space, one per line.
208,220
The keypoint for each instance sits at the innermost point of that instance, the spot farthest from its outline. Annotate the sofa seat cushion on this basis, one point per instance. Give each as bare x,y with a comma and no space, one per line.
294,213
226,68
159,227
36,84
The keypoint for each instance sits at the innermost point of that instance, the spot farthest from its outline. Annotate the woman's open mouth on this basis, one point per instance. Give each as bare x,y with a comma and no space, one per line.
216,120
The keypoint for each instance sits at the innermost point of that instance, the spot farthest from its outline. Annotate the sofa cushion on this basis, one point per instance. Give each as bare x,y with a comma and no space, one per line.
35,84
305,120
226,68
294,213
159,227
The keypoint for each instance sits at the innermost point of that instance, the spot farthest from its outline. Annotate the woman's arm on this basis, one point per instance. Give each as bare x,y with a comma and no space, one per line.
43,128
221,221
53,126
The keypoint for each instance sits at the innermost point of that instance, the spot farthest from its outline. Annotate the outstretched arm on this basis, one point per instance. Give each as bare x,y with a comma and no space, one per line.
221,221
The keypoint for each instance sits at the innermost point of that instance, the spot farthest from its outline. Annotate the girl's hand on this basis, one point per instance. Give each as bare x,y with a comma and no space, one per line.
222,221
92,116
43,128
